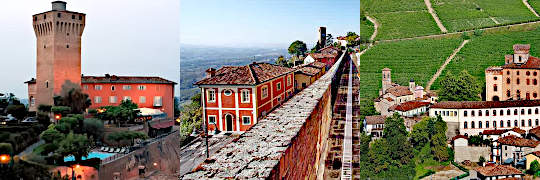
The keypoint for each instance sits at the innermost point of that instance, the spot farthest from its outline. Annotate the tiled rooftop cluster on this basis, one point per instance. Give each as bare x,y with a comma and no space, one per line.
251,74
257,152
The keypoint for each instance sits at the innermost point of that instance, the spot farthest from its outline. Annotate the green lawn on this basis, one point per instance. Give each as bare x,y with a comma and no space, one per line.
457,15
489,50
535,4
405,24
418,59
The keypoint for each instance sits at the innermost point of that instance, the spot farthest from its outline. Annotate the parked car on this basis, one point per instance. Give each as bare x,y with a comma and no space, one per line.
30,120
10,118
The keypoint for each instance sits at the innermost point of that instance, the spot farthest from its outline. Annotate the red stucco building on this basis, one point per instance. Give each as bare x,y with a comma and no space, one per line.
58,34
235,97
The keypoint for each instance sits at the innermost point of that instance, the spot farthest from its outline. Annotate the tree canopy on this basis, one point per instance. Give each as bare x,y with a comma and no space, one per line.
73,97
463,87
297,48
76,145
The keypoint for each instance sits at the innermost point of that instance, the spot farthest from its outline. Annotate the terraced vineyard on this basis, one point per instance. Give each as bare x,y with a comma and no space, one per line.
367,29
418,59
489,50
457,15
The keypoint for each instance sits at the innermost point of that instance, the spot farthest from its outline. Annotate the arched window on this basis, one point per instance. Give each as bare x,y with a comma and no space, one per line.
535,95
46,84
515,123
487,124
518,94
487,112
501,112
495,87
515,112
535,82
528,73
522,123
465,125
517,81
465,113
472,113
480,124
472,124
502,123
508,124
534,73
528,82
494,124
507,93
529,111
530,123
522,111
508,112
494,112
536,111
479,112
507,80
536,122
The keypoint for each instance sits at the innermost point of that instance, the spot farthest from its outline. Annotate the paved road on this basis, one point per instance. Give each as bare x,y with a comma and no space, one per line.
194,154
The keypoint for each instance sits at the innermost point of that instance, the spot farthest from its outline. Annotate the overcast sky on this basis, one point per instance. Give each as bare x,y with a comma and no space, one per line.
121,37
264,22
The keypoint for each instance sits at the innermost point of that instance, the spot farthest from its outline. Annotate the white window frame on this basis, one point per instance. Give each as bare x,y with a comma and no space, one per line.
289,81
113,99
263,93
126,98
160,99
98,87
141,87
227,94
142,99
249,117
245,96
211,95
97,99
212,116
126,87
278,86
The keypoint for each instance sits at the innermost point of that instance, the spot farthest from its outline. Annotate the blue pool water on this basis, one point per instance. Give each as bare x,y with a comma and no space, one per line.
100,155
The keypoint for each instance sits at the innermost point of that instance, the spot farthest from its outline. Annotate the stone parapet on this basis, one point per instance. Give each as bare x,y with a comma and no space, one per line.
290,143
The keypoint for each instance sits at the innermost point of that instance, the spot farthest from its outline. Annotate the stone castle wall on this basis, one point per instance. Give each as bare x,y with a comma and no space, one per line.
163,152
290,143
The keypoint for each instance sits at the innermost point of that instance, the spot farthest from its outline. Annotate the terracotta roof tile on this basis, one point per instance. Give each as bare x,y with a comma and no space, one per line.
535,131
517,141
399,91
518,130
494,131
251,74
532,63
498,170
485,104
459,136
377,119
124,79
409,105
522,47
317,64
307,70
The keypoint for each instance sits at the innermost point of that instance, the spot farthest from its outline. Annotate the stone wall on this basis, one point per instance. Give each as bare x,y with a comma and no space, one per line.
290,143
471,153
163,152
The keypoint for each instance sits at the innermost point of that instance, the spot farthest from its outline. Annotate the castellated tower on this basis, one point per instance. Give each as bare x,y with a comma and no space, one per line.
521,53
58,43
386,79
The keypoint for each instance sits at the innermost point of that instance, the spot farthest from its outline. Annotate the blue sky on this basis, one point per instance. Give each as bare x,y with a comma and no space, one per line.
121,37
261,23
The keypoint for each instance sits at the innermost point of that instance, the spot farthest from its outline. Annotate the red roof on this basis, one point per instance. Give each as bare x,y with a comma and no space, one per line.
399,91
517,141
251,74
518,130
498,170
376,119
522,47
124,79
308,70
535,131
410,105
494,132
317,64
484,104
532,63
459,136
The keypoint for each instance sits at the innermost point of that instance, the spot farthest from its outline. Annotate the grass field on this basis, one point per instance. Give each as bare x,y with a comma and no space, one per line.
418,59
386,6
489,50
366,29
405,24
457,15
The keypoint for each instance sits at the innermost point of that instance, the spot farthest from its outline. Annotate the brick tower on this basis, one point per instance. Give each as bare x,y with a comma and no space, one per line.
58,43
386,80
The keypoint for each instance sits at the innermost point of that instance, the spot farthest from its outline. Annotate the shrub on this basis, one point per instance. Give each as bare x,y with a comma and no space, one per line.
6,148
465,36
44,108
61,109
478,32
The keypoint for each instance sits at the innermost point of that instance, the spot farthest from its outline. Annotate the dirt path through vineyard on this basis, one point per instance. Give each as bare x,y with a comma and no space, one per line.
438,73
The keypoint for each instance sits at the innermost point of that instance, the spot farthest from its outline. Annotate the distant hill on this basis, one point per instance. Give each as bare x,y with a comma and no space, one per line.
195,59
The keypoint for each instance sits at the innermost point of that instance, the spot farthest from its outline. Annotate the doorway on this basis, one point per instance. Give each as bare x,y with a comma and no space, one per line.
229,122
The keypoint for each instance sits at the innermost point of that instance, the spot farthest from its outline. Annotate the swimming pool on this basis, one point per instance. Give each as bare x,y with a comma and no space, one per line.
100,155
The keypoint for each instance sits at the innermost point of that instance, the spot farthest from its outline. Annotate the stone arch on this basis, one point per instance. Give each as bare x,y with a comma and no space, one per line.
495,98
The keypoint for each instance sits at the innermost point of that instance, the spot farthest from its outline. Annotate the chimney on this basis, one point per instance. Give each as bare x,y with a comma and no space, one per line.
210,72
59,6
